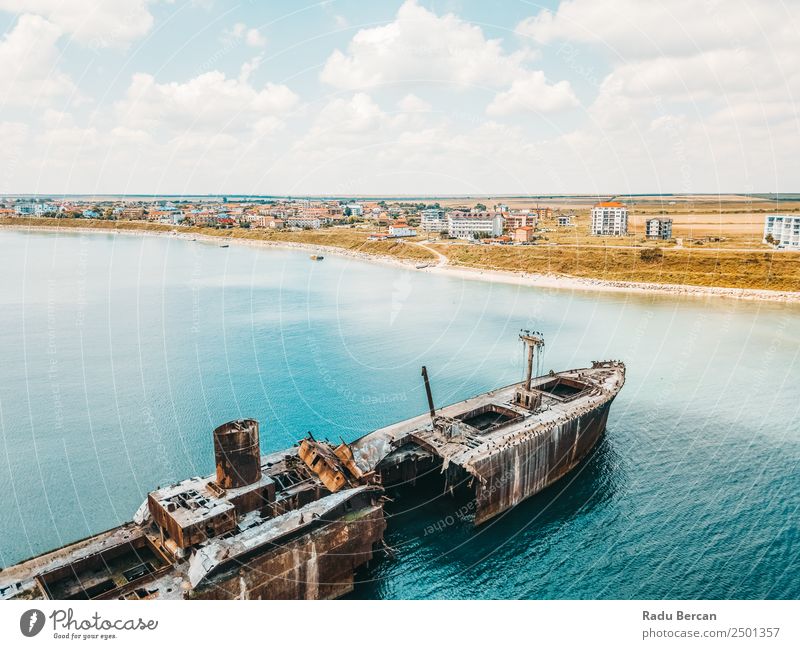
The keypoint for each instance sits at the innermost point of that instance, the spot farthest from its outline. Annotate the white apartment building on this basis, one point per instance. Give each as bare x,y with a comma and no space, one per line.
33,209
356,209
784,228
402,230
305,222
610,219
659,229
463,225
433,220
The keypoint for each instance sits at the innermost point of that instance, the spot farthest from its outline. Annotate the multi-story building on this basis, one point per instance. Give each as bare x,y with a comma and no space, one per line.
433,220
356,209
305,222
783,229
521,219
565,220
610,219
204,218
401,229
543,212
464,225
268,222
658,229
130,213
33,209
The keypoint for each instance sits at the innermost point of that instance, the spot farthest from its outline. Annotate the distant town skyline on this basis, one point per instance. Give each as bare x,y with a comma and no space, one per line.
418,98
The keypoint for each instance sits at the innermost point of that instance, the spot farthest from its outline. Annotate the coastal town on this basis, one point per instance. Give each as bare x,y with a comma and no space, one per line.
483,223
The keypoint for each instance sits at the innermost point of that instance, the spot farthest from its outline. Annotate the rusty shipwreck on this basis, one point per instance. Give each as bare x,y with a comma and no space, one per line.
298,523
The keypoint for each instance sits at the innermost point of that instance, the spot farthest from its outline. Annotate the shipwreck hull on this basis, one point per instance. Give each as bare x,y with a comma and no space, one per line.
318,565
522,470
298,523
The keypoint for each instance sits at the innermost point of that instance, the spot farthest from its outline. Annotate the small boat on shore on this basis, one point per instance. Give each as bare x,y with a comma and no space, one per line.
224,245
316,257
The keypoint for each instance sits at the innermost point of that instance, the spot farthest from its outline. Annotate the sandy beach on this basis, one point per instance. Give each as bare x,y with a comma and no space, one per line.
552,282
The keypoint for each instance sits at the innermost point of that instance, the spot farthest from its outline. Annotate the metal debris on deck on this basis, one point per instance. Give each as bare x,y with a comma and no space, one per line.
299,523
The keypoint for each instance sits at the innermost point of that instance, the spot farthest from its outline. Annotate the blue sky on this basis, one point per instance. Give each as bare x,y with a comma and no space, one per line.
400,97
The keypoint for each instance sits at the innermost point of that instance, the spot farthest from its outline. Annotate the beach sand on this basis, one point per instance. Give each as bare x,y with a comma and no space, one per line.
553,282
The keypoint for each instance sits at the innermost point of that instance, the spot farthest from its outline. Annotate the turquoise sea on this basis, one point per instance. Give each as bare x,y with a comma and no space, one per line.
119,354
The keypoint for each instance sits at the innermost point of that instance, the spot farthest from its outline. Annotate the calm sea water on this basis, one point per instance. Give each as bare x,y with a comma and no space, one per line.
120,354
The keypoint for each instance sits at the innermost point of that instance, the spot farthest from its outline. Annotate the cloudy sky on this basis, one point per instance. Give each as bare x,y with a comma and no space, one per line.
393,97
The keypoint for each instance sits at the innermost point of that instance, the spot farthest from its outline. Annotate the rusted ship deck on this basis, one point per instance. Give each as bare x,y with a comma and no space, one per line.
298,523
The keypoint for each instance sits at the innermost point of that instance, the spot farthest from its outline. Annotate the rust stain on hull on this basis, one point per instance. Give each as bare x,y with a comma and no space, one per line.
523,470
297,524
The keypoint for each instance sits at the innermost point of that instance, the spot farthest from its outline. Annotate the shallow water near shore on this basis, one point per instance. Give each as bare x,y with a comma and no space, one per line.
120,354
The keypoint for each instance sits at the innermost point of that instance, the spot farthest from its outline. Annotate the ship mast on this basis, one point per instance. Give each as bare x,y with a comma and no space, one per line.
428,392
533,342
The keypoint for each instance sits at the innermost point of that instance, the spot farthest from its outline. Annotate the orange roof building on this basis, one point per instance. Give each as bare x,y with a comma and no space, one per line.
610,219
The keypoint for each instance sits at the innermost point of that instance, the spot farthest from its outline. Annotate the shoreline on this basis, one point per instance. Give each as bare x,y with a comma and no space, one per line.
516,278
233,241
567,283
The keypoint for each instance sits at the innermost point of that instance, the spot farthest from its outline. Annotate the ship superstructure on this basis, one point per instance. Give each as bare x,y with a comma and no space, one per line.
298,523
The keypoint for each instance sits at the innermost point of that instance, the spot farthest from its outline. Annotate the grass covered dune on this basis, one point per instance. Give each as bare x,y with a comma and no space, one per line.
776,271
732,269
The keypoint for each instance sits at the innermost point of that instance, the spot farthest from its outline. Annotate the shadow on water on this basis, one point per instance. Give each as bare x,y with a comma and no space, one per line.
432,536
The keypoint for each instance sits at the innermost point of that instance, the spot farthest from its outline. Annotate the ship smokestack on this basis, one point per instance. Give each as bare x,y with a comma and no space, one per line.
237,453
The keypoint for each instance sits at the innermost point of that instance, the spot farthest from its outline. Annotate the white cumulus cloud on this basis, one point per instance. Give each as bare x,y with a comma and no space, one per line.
94,22
209,102
419,46
636,29
532,93
249,35
29,73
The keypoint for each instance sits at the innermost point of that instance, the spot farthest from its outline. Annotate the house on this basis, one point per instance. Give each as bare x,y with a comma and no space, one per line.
401,229
610,219
565,221
171,218
523,234
465,225
503,239
782,230
658,228
268,222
